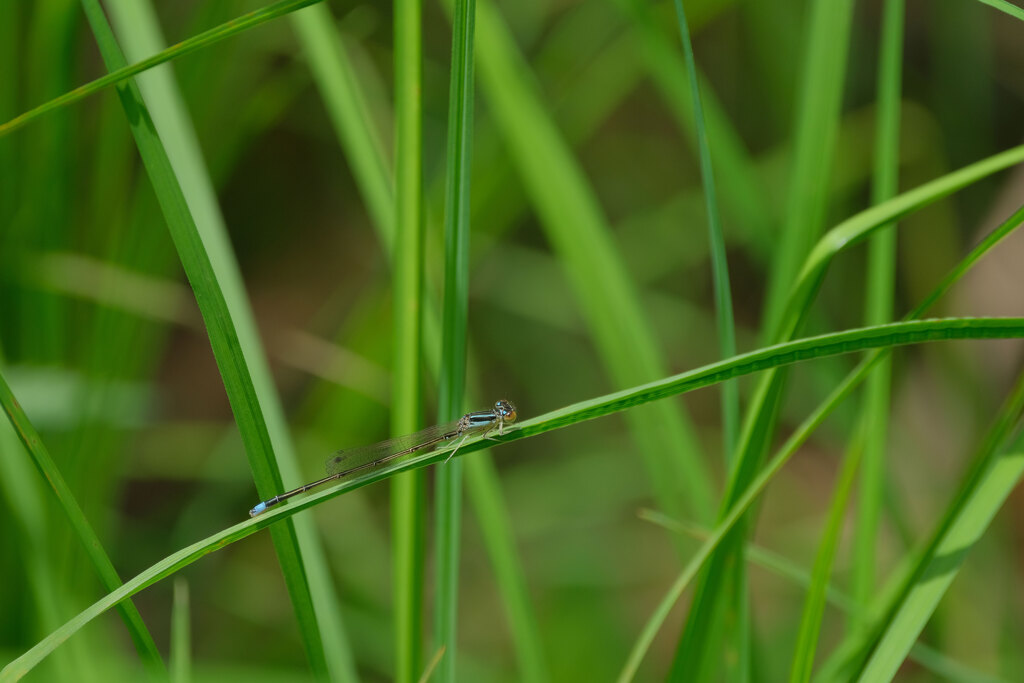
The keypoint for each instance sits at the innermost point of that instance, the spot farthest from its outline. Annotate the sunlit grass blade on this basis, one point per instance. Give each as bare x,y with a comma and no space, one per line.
198,42
911,596
719,265
176,172
1004,6
408,490
82,528
881,275
455,311
181,634
883,337
576,227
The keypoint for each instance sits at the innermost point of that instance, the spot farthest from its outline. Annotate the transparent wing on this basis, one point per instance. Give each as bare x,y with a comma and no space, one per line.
362,456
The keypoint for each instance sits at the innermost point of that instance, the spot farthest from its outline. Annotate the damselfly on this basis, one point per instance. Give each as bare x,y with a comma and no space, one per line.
350,461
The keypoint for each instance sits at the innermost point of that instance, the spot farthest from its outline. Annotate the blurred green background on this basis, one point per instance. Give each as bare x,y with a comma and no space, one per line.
104,347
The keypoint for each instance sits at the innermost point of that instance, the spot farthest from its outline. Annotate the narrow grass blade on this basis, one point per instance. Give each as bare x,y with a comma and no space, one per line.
181,634
82,529
719,265
408,491
578,231
883,336
1006,7
879,306
189,206
455,311
188,46
814,605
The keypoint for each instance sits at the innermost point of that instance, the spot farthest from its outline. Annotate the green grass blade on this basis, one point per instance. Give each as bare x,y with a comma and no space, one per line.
814,605
408,491
883,336
579,233
455,312
719,265
177,172
1004,6
880,292
817,118
181,634
943,565
188,46
83,530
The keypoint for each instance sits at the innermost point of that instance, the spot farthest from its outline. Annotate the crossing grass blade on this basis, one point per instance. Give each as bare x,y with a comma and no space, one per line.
176,172
719,265
575,226
188,46
83,530
455,312
879,337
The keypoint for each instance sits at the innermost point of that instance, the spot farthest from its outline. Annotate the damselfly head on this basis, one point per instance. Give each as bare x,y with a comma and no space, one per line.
505,410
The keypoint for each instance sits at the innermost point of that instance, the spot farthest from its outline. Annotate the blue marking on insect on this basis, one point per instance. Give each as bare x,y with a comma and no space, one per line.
258,509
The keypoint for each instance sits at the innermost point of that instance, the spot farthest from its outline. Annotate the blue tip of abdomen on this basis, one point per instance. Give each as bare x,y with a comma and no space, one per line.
262,507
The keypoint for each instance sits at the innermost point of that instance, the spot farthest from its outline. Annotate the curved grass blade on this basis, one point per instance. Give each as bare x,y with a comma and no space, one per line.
1006,7
455,312
83,530
883,336
189,205
188,46
719,264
